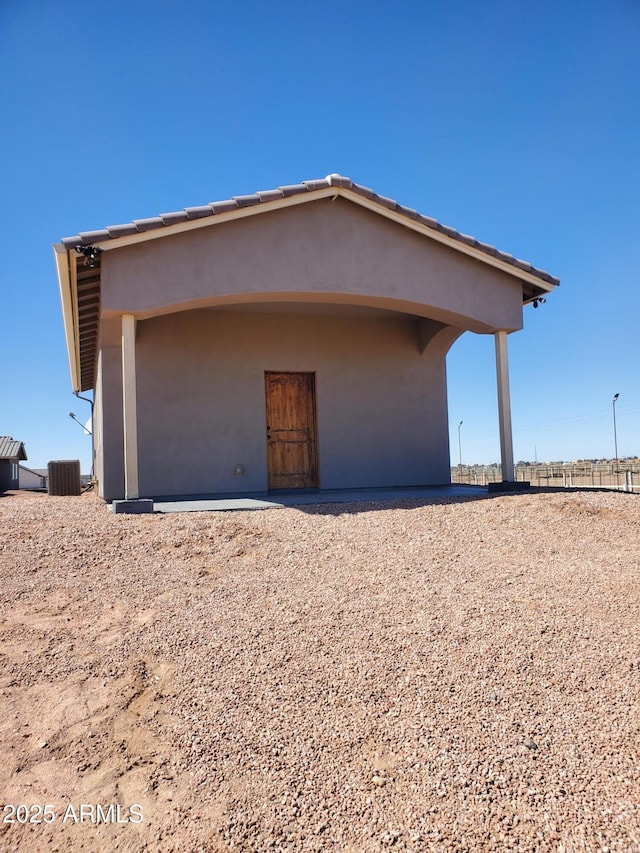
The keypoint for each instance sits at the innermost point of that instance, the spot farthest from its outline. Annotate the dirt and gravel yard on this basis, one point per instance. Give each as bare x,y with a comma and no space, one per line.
459,675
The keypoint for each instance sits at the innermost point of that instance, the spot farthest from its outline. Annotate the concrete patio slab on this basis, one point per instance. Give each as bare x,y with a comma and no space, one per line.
133,506
227,503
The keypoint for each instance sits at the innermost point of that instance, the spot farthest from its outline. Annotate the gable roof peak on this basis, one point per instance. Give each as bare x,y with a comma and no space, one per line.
337,180
142,229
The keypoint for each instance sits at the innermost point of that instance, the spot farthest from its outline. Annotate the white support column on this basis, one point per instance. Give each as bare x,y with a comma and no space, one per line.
129,411
504,407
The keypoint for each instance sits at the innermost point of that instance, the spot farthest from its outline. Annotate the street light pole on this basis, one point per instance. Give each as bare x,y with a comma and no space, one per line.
460,444
74,418
615,438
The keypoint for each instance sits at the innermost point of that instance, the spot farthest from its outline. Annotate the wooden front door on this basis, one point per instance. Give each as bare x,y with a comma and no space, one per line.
291,430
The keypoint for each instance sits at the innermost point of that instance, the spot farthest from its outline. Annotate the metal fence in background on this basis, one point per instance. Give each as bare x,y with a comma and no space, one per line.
596,475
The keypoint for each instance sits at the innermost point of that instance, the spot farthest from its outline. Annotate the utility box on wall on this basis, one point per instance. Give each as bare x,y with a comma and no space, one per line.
64,477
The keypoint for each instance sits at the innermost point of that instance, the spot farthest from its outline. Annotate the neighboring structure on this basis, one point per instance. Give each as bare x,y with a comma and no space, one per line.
31,479
12,453
295,338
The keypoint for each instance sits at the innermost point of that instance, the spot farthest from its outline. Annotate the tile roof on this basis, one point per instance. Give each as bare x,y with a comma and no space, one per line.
83,319
139,226
10,448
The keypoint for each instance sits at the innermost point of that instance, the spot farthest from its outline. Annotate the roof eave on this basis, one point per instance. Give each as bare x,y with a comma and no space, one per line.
65,283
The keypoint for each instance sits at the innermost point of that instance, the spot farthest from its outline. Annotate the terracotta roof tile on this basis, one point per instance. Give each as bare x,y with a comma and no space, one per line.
175,217
89,237
246,200
270,195
407,211
198,212
320,184
293,189
147,224
224,206
121,230
428,220
387,202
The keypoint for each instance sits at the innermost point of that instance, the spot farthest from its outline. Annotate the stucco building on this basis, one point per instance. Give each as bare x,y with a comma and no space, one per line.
295,338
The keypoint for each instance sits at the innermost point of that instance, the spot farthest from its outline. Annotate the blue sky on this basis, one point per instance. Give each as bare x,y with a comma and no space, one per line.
516,122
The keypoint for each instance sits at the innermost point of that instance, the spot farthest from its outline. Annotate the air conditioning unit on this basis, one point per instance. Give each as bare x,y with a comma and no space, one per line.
64,477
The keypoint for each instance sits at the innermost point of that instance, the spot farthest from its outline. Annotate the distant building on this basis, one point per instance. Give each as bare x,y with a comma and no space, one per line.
12,453
31,479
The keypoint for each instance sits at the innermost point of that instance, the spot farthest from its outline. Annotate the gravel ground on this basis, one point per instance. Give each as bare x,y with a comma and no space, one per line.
457,675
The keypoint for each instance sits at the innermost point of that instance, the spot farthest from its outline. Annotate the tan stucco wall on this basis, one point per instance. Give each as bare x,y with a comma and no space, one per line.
324,250
381,404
